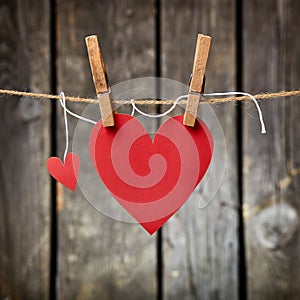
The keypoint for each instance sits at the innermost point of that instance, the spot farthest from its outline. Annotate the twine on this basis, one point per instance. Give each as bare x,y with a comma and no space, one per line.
260,96
63,103
134,108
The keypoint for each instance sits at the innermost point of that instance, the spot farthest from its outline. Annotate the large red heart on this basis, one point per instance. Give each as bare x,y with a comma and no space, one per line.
66,173
151,179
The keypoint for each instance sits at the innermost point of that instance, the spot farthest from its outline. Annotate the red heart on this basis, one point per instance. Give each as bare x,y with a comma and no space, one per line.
66,173
151,179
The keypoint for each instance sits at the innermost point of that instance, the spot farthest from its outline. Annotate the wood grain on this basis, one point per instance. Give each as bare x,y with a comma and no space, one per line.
101,258
97,64
271,161
201,246
197,80
99,76
24,140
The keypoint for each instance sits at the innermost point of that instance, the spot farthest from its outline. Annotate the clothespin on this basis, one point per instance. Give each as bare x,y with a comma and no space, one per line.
100,80
197,80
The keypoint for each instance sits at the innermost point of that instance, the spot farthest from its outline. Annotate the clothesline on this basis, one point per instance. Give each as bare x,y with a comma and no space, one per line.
149,101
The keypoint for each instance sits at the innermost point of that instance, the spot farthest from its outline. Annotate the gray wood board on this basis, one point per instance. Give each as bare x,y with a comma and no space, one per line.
24,140
201,245
100,257
271,161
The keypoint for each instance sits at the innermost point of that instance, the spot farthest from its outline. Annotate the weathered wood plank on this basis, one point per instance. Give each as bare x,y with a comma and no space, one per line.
271,161
201,246
24,140
100,258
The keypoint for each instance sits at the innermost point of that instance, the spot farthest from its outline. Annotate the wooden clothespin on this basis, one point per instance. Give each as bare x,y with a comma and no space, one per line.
196,84
100,80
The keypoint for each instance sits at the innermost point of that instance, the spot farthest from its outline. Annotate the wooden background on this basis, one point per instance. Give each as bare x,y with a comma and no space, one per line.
245,245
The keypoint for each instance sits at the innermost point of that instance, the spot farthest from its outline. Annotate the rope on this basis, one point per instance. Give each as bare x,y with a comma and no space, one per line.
260,96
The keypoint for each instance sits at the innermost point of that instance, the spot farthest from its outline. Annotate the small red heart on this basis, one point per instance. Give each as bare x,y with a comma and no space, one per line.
66,173
151,179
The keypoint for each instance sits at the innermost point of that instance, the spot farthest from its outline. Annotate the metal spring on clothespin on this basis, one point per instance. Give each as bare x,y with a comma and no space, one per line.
197,79
100,80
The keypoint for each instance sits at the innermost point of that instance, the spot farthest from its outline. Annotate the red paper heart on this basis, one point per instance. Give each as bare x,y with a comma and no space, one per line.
66,173
151,179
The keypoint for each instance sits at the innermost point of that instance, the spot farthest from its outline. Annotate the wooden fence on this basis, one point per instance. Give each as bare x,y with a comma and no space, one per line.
55,245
